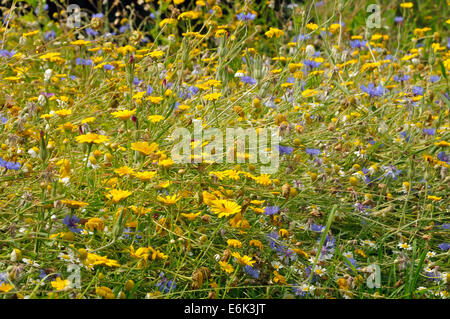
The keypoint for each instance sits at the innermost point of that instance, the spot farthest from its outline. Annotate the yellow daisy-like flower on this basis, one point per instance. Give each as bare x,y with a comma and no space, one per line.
95,223
225,208
274,32
144,147
73,203
155,118
243,260
168,200
124,114
154,99
212,96
124,170
63,112
234,243
91,138
60,284
156,54
407,5
145,176
226,267
256,243
117,195
166,162
5,287
80,42
264,180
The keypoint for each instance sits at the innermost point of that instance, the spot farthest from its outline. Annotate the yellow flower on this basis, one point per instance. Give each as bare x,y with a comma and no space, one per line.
435,198
80,42
234,243
124,170
225,208
144,147
118,194
167,21
123,114
59,284
145,176
274,32
278,278
154,99
312,26
156,54
226,267
256,243
155,118
212,96
243,260
73,203
91,138
63,112
105,292
407,5
264,180
168,200
166,162
95,223
5,287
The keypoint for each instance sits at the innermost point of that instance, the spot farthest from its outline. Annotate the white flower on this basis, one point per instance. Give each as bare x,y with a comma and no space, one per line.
431,254
33,152
404,246
47,75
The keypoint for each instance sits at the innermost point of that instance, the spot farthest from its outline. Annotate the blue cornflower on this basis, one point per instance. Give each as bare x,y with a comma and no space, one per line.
91,32
316,227
434,78
71,222
417,90
128,232
248,80
108,67
50,35
312,151
97,15
401,78
165,285
358,44
7,54
124,28
398,20
285,149
405,135
3,120
149,89
245,16
136,81
9,165
443,157
444,246
372,90
301,37
429,131
251,271
312,64
271,210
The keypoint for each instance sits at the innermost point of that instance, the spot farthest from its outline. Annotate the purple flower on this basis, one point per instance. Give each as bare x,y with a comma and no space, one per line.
7,54
358,44
401,78
316,227
71,222
271,210
312,151
245,16
443,157
398,20
108,67
417,90
444,246
3,119
372,90
165,285
251,271
391,172
91,32
312,64
248,80
434,78
429,131
97,15
50,35
285,149
9,165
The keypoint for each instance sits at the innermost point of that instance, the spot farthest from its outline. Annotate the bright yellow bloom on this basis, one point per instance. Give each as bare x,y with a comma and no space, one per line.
274,32
212,96
95,223
263,179
91,138
191,216
155,118
234,243
124,170
117,195
225,208
407,5
168,200
226,267
73,203
59,284
145,176
144,147
124,114
5,287
243,260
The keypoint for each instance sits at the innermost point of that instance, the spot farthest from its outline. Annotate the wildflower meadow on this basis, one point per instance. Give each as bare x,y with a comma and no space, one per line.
214,149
